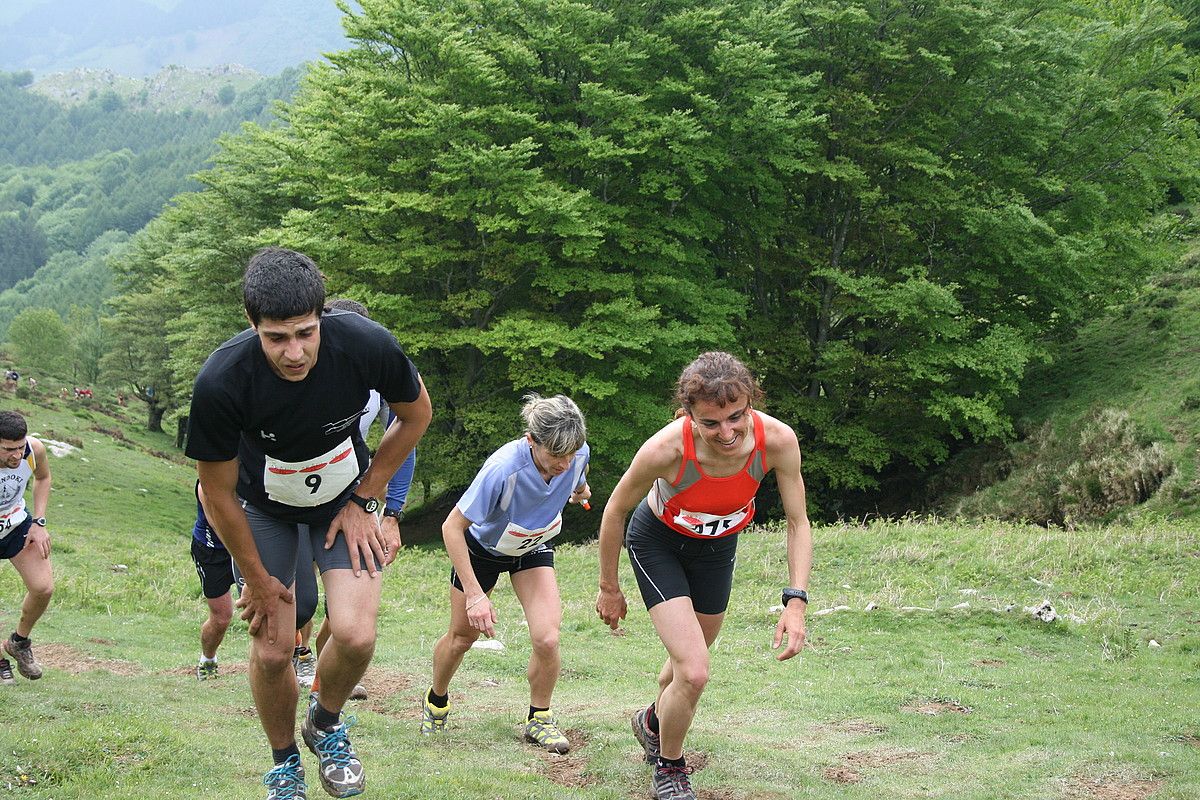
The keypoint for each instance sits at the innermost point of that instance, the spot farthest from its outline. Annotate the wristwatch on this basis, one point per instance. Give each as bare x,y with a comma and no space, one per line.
398,513
794,594
367,504
39,521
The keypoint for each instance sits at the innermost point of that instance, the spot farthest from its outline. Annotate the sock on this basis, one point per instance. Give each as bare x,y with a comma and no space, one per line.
533,710
301,651
652,719
678,763
18,638
323,718
206,660
282,755
438,700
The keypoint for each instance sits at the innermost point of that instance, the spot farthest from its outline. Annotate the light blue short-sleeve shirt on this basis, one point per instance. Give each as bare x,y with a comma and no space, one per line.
510,495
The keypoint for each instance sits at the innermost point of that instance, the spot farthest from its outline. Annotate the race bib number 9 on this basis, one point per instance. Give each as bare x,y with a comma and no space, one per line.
303,484
518,541
701,524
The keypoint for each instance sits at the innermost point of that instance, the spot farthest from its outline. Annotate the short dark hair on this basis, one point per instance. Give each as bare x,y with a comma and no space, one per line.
281,284
12,426
716,377
346,304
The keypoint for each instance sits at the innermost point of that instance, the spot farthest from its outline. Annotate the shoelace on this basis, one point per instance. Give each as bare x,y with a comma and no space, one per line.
285,777
678,777
335,745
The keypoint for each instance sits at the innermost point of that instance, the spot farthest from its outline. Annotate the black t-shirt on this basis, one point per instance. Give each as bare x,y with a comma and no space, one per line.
299,449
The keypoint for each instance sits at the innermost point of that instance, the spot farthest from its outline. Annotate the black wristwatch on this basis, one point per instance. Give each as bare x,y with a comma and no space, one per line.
367,504
39,521
794,594
398,513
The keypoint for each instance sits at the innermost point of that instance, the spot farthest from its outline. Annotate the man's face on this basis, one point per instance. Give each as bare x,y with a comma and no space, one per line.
291,345
11,451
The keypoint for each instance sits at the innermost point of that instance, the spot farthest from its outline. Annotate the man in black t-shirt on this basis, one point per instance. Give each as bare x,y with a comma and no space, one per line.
274,429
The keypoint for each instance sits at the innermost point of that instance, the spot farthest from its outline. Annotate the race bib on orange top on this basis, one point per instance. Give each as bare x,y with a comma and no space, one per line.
313,482
711,525
517,541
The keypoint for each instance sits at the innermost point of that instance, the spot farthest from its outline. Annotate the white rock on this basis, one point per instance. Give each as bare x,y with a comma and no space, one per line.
1153,643
775,609
1045,612
961,605
825,611
845,586
968,591
871,607
119,568
487,644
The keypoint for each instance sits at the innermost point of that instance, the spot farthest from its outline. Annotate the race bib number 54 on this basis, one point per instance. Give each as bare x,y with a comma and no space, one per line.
313,482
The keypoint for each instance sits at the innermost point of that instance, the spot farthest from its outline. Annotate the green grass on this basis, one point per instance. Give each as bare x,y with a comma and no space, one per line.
1027,709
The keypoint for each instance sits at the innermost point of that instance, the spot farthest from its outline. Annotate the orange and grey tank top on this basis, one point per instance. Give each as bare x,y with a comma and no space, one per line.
705,507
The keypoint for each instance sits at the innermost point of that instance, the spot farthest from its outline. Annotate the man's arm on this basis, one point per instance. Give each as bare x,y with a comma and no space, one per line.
364,538
38,537
262,591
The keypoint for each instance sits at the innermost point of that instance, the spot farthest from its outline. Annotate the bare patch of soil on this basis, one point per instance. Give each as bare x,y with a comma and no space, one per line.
568,770
988,662
935,707
859,726
70,660
226,669
382,685
1113,788
1194,741
841,774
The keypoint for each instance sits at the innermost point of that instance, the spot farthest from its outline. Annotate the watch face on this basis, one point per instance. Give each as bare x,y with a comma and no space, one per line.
371,506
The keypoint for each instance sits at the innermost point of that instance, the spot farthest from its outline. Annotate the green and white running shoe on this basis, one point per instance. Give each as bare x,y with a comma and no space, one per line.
647,738
206,670
433,719
286,781
542,730
340,770
671,783
305,663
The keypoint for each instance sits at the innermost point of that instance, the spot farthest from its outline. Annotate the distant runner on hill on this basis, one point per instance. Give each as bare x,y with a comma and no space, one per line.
273,426
505,522
214,567
24,539
694,484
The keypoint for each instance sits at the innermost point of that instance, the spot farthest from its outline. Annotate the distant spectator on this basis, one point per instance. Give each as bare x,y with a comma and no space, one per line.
32,383
11,376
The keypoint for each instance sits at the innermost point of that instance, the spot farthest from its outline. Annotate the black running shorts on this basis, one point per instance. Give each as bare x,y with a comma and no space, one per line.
214,566
488,566
668,564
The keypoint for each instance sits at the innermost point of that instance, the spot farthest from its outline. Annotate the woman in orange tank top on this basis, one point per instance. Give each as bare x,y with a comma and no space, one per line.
699,475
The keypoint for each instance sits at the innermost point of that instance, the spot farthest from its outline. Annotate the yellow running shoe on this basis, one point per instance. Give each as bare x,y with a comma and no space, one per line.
433,718
542,730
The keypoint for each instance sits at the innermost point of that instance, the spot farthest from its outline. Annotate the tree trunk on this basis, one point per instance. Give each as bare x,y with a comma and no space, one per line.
154,417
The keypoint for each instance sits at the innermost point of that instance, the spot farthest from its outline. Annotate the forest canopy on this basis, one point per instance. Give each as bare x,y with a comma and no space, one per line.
886,208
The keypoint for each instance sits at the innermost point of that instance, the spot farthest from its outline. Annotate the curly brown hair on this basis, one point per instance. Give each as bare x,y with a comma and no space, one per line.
716,377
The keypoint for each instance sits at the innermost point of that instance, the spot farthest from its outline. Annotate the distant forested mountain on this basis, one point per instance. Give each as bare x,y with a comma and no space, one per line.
76,180
140,37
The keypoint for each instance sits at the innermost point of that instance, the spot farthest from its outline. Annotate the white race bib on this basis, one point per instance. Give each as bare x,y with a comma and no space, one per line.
703,524
518,541
303,484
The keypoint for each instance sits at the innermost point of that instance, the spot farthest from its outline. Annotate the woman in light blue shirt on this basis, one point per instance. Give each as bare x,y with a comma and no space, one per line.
506,522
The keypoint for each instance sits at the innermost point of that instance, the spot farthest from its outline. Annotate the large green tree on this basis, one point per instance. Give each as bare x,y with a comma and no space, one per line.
886,207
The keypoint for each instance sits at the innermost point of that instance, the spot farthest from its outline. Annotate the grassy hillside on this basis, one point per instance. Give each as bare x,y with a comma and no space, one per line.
1113,420
940,692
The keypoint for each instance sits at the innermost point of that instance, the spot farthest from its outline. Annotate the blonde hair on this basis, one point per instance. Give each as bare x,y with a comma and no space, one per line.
555,423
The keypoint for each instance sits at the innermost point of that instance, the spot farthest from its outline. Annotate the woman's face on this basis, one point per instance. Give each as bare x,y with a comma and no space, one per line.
723,428
549,464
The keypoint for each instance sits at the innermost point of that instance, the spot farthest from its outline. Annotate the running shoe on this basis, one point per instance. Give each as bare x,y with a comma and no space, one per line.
6,677
359,692
542,730
647,738
671,783
306,667
340,770
286,781
433,719
206,670
22,653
